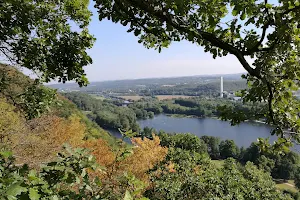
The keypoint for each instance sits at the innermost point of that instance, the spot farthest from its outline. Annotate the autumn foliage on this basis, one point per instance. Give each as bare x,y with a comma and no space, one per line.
101,151
146,154
45,137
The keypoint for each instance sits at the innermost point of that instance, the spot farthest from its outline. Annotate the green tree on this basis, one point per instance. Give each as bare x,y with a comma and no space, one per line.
147,132
48,37
266,31
266,163
185,141
36,100
228,149
192,176
286,166
297,178
252,153
212,146
151,115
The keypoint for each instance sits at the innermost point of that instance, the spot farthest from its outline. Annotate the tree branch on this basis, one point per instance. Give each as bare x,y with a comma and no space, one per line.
271,96
265,27
291,10
201,34
4,52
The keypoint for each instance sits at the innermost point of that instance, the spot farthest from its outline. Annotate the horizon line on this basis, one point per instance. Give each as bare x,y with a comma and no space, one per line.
146,78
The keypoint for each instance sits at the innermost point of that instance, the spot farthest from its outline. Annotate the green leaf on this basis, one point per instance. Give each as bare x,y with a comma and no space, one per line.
15,190
269,6
243,16
33,194
6,154
128,196
98,181
137,32
235,12
54,197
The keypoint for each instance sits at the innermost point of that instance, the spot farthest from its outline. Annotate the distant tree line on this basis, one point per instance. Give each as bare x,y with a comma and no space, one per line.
105,113
211,89
197,106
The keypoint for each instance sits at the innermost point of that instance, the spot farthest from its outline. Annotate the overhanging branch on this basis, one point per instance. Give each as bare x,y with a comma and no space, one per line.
210,37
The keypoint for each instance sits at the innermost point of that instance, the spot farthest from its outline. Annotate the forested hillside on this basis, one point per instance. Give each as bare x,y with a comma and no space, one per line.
105,113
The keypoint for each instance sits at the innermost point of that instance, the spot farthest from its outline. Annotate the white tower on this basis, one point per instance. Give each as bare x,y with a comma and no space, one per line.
221,89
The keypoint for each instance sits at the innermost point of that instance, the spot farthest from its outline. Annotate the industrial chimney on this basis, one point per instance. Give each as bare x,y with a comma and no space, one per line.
221,89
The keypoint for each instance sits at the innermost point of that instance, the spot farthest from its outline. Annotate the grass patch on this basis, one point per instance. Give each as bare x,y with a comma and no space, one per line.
218,163
291,182
286,185
283,186
97,97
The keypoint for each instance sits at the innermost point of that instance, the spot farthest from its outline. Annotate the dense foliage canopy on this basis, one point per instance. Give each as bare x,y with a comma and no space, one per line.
105,113
49,37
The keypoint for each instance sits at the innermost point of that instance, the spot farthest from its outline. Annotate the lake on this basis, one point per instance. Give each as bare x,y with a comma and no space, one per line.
243,134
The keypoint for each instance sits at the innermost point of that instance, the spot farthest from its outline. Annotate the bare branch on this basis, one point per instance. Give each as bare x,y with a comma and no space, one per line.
6,54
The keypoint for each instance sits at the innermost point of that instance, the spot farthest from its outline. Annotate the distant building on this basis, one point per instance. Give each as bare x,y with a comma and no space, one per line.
237,98
126,103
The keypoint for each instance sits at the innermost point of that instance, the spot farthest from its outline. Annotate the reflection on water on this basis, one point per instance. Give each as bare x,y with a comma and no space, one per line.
243,134
118,135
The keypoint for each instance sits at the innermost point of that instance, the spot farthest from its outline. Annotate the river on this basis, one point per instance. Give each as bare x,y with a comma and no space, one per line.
243,134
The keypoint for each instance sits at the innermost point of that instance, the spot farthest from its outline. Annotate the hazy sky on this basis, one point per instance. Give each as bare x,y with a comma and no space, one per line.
117,55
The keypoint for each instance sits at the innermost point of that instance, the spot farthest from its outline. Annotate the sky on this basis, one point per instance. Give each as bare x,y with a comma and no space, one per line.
117,55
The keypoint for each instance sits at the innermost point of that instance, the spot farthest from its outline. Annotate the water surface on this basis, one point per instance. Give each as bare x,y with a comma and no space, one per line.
243,134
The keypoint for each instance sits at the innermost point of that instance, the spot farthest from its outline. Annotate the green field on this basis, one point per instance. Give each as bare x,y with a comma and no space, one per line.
283,186
98,97
289,185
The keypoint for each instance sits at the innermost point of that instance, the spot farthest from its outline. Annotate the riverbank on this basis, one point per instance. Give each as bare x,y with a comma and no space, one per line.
210,117
183,116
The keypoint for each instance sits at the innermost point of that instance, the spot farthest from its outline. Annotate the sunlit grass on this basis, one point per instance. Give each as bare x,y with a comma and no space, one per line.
218,163
283,186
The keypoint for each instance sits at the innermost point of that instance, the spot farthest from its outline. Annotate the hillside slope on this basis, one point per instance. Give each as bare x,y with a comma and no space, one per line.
27,124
